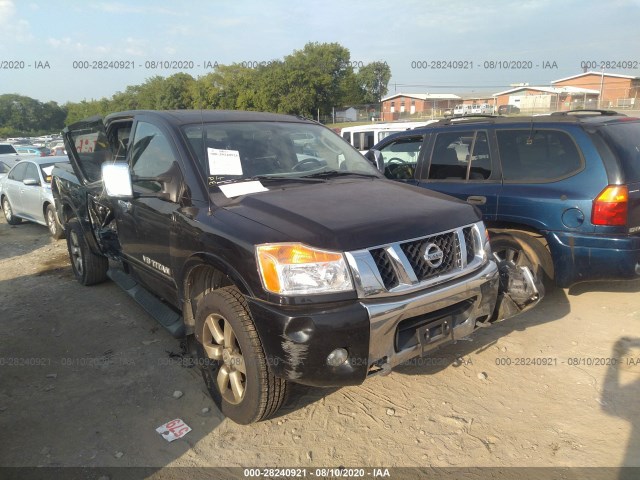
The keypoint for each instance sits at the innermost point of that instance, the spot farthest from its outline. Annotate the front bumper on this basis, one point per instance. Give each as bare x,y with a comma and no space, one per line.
378,333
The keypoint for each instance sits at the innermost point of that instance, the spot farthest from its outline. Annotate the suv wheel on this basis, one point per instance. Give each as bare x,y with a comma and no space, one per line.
8,212
53,224
232,360
87,267
515,250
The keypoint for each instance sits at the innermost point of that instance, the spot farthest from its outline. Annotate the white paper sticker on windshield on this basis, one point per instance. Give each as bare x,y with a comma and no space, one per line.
242,188
224,162
47,170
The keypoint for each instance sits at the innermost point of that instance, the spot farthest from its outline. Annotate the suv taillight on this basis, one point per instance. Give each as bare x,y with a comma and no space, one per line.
610,207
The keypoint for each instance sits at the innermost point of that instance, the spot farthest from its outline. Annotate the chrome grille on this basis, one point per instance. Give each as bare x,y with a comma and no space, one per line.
387,273
415,264
468,240
416,253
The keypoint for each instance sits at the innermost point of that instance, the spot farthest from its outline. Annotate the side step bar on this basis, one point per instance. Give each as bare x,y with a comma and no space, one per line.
164,315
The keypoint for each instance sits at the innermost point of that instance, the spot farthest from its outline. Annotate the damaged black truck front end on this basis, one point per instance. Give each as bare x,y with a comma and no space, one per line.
274,246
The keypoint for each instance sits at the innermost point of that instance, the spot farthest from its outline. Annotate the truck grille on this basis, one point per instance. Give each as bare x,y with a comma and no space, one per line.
387,273
416,254
468,240
417,263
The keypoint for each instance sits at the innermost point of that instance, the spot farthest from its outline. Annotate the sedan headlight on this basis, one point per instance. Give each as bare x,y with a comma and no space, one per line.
296,269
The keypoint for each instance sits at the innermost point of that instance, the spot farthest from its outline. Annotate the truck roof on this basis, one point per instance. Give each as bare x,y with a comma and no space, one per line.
187,117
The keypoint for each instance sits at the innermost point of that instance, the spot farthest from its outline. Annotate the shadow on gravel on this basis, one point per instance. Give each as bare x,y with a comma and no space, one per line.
87,377
22,239
620,394
553,306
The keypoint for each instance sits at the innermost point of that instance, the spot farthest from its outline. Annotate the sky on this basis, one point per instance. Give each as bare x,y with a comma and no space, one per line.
446,46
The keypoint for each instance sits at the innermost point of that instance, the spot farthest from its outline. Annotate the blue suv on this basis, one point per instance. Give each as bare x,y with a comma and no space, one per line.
560,193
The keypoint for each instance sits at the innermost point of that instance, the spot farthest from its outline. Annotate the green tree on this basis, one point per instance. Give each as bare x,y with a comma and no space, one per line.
373,79
21,115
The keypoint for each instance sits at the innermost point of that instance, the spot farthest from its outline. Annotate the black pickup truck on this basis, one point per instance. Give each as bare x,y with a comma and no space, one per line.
274,245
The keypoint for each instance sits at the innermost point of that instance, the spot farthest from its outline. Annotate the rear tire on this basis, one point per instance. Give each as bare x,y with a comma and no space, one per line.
88,268
51,217
8,212
232,360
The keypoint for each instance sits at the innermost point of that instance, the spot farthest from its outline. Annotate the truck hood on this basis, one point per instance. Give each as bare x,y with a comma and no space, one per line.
351,214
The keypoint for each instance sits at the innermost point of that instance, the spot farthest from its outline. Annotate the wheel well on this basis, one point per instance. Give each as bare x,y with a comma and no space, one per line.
44,208
526,230
200,280
67,214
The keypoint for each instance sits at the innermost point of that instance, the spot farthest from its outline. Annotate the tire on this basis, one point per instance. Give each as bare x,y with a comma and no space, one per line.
8,212
88,268
51,217
227,344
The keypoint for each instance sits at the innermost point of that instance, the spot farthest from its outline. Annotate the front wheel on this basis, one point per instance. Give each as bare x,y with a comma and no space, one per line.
232,359
53,224
8,212
88,268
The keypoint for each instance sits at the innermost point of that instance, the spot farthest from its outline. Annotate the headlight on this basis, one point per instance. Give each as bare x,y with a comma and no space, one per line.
295,269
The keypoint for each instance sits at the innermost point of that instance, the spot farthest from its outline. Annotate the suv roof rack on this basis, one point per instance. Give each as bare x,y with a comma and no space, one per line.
468,118
587,112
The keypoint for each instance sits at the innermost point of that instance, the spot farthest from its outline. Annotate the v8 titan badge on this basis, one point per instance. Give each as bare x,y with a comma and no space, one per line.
433,255
173,430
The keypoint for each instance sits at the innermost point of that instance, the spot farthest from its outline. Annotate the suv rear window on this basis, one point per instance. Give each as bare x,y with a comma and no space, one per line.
538,155
624,140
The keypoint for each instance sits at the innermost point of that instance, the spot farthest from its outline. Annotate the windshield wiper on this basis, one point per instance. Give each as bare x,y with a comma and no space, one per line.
266,178
340,173
290,178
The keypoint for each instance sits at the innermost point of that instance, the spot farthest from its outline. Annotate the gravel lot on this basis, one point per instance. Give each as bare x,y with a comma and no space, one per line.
86,377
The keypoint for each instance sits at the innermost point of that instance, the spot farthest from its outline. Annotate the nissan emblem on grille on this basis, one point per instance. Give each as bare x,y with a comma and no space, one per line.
433,255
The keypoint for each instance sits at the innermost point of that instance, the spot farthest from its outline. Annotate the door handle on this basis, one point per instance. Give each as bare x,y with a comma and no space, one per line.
126,206
476,200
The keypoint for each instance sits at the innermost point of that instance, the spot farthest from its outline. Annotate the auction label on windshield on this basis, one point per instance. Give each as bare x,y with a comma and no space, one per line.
224,162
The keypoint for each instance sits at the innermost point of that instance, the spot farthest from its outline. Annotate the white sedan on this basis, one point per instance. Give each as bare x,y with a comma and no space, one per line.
25,193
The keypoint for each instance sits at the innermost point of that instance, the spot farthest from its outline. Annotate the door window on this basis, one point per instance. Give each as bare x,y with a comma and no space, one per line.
18,172
537,155
401,157
151,156
32,172
461,156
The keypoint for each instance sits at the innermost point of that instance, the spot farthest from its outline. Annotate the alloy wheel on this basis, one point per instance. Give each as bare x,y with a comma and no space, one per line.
220,344
76,253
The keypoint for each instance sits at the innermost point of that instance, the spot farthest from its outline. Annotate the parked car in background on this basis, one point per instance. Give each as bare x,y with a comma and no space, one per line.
58,151
26,193
363,137
31,150
507,109
7,150
559,193
5,165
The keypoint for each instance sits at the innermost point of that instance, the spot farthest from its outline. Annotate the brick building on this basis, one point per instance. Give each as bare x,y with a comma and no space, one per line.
417,105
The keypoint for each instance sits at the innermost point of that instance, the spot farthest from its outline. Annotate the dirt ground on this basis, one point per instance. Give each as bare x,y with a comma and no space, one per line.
86,377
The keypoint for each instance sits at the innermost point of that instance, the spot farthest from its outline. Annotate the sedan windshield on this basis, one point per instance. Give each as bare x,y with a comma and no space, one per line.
237,151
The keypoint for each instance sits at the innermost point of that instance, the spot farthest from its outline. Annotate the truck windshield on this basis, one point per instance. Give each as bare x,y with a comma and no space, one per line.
236,151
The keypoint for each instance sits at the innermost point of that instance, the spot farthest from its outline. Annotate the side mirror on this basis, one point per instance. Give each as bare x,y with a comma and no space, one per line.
117,180
375,157
31,182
